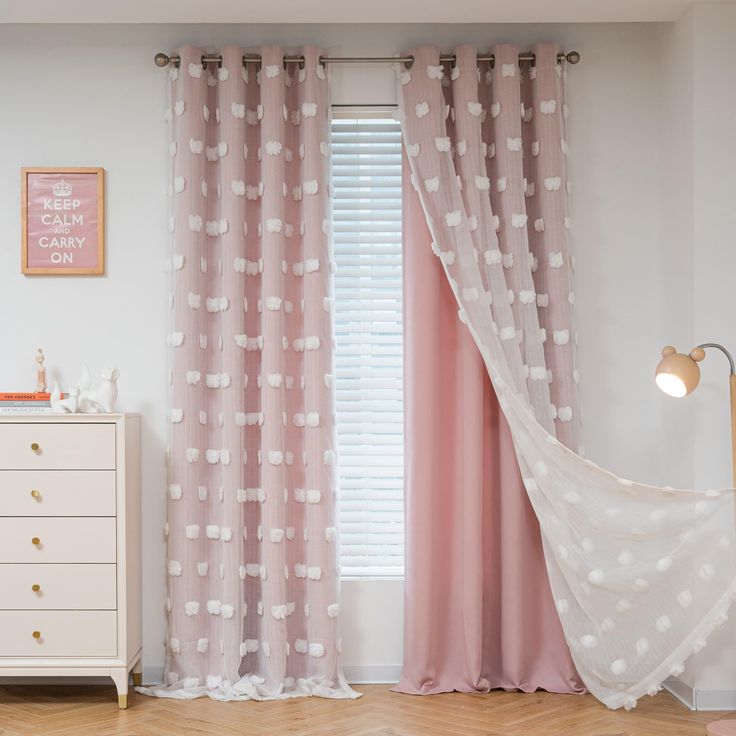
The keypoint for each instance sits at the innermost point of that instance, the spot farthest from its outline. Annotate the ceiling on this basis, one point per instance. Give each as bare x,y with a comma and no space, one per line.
339,11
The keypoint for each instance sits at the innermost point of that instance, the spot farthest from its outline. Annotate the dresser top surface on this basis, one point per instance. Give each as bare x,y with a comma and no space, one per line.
66,418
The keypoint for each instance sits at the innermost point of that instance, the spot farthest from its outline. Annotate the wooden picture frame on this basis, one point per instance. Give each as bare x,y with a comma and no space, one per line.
62,221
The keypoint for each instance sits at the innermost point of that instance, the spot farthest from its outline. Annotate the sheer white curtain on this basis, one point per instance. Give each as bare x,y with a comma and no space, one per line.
641,575
253,585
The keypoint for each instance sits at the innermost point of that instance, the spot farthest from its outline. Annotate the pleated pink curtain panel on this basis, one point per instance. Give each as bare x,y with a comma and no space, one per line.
253,594
486,148
478,613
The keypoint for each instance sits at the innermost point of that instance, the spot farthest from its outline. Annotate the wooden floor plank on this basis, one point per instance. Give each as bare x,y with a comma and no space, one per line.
78,710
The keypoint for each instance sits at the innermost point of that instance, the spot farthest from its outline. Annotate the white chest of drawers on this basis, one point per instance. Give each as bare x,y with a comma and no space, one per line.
70,562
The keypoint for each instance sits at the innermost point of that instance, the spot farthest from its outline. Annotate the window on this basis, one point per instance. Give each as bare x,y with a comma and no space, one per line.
366,176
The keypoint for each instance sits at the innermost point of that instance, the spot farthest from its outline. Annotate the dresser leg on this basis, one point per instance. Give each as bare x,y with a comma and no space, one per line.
138,673
120,678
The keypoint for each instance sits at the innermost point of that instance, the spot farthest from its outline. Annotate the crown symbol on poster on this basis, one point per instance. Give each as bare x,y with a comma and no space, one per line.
62,188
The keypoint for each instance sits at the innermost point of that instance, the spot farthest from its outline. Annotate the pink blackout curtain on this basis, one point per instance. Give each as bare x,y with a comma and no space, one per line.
479,613
252,566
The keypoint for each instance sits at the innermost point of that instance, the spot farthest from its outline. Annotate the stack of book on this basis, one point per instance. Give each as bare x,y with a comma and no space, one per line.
25,403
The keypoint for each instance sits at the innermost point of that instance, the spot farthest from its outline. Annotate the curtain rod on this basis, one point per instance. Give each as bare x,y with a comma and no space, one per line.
162,60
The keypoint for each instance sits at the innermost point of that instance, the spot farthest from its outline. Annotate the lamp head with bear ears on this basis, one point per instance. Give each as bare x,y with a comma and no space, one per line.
678,374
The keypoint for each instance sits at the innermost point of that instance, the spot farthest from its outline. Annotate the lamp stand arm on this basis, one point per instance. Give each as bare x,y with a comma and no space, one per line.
732,385
732,390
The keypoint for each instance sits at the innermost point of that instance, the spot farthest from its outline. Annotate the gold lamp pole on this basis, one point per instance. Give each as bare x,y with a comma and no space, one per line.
678,375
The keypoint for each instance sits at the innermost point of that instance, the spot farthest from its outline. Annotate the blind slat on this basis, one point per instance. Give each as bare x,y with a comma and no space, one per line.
366,177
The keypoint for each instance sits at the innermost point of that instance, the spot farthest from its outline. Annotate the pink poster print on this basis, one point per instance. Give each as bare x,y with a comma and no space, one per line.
63,221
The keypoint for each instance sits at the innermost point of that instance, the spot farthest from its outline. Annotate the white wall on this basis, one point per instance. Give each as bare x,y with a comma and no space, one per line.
677,223
328,11
698,266
90,95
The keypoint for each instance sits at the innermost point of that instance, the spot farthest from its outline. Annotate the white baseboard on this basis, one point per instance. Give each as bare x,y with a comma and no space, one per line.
371,674
388,674
696,699
681,690
715,700
153,675
71,680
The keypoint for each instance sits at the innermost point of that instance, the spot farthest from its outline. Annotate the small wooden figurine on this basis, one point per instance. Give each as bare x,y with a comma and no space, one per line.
40,371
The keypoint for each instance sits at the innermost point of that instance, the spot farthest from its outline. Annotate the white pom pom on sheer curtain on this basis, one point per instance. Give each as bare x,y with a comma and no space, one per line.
641,575
252,574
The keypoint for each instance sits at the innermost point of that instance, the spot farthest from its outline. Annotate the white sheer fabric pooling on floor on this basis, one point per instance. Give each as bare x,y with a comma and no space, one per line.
641,575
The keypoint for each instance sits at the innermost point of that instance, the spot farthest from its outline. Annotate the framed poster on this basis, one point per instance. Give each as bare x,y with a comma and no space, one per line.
63,221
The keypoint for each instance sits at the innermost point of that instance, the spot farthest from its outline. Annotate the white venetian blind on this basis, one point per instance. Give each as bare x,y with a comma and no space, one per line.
366,176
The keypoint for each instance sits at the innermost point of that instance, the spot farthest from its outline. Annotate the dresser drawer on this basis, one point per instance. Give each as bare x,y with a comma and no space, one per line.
45,539
60,587
32,445
57,493
60,634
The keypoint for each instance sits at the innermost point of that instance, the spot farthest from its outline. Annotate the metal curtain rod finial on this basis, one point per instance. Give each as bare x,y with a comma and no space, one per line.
162,60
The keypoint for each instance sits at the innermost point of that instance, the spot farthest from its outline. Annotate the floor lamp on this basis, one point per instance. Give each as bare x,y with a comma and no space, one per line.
678,375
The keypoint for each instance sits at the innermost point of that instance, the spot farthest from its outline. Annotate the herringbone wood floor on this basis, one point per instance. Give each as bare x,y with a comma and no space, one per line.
35,710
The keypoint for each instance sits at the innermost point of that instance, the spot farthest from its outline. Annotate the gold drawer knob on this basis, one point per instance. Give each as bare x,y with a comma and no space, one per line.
36,494
36,634
35,446
35,587
36,541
